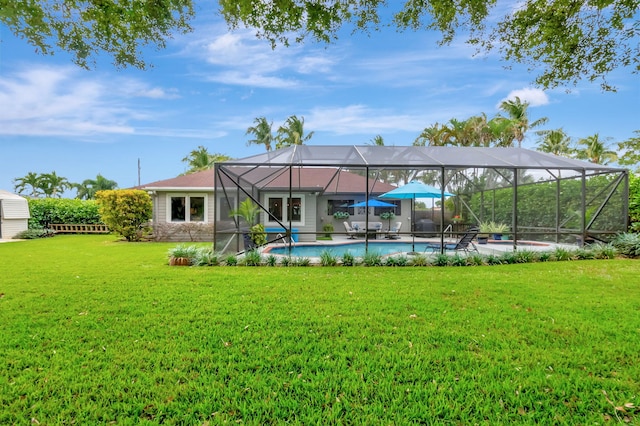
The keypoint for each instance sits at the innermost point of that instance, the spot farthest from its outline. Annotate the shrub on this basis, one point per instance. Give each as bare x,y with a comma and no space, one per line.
627,244
400,260
525,256
604,251
475,260
584,254
125,211
372,259
287,261
328,259
32,234
301,261
183,251
45,211
328,229
458,260
231,260
205,256
440,259
252,258
561,253
544,256
271,260
258,235
493,259
348,260
419,260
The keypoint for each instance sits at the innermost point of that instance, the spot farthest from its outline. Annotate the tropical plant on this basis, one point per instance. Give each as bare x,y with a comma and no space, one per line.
372,258
595,150
182,254
252,258
292,133
247,210
262,132
53,185
419,259
29,184
555,142
517,113
327,258
200,159
258,234
88,188
348,259
271,260
627,244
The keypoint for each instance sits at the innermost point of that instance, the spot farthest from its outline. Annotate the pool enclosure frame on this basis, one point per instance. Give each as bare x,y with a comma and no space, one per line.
461,170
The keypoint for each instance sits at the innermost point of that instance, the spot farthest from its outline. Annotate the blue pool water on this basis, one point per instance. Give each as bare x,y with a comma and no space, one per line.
356,249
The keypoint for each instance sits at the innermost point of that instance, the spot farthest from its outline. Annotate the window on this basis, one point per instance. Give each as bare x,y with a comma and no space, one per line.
275,208
294,208
398,211
187,208
334,206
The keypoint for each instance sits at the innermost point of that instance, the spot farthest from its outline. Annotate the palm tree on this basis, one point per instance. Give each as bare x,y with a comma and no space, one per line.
431,136
595,150
292,133
88,188
517,113
53,185
199,159
377,141
32,181
555,142
262,131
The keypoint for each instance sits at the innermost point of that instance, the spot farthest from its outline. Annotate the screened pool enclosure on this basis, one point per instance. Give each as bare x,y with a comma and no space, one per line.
305,194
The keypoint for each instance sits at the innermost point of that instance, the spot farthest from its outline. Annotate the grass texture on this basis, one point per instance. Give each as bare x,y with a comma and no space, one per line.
99,331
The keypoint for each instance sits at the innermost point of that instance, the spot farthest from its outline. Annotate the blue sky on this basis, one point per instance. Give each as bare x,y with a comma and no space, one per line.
207,87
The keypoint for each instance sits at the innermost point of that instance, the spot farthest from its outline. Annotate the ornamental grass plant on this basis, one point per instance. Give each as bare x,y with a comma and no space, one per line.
100,331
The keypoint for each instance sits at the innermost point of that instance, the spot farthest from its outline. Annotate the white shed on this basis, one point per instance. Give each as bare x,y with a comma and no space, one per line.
14,214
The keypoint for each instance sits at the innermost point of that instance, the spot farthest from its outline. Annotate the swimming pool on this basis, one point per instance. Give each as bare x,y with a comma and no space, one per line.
356,249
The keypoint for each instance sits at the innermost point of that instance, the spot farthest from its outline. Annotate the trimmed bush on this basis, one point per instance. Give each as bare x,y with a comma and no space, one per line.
62,210
125,211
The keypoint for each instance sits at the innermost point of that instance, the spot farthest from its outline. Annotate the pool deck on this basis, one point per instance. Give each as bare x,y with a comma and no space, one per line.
492,247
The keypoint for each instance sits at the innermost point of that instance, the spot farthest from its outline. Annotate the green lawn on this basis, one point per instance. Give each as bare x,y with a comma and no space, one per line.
97,331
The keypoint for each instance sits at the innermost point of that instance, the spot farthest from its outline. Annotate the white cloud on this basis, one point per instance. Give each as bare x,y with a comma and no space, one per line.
64,101
239,58
359,119
535,97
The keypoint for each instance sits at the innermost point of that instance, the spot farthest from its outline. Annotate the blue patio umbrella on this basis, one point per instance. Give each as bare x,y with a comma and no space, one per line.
413,190
372,203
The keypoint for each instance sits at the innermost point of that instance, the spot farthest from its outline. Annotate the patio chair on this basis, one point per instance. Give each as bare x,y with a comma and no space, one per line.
394,232
465,243
350,231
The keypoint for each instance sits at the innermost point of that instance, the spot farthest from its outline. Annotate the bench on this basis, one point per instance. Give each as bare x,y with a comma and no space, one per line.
81,228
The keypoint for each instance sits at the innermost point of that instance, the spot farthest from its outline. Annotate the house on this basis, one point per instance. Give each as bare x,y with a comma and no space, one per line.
184,208
14,214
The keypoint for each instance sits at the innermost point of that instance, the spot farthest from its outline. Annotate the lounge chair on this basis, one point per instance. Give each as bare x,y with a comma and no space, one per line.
394,232
465,243
350,231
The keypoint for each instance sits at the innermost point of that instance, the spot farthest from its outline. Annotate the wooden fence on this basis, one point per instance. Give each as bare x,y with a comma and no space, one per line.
66,228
